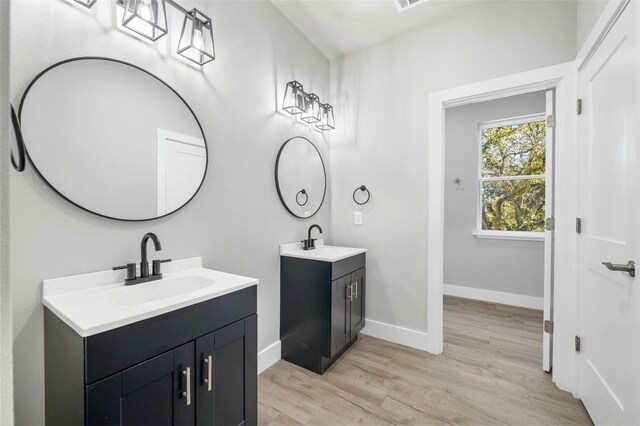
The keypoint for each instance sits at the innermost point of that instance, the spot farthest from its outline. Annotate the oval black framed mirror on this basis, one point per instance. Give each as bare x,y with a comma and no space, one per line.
117,141
301,178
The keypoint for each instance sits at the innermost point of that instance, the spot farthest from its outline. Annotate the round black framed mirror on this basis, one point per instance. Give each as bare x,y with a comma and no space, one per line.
117,141
301,178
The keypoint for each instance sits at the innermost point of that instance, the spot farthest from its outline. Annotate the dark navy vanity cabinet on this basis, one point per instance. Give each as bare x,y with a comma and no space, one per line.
195,365
322,308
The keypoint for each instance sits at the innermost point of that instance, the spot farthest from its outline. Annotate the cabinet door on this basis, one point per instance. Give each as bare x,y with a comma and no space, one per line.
153,392
234,372
340,328
358,279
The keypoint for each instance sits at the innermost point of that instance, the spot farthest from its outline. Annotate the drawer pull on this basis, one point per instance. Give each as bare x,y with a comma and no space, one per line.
187,393
209,361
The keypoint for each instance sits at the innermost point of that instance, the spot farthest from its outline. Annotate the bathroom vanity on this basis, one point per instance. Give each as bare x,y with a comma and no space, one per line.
180,350
322,303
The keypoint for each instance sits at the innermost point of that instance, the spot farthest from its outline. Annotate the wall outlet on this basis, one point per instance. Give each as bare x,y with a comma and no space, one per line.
357,218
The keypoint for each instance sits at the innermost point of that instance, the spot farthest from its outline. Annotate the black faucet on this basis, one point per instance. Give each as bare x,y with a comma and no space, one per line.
144,263
309,243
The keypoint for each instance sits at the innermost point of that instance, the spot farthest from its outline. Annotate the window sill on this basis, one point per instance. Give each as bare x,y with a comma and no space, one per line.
509,235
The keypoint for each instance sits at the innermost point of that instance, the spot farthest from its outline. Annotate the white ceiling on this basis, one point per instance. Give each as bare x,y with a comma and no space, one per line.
338,27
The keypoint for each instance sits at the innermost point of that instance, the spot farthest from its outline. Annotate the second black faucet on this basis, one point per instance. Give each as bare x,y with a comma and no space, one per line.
309,243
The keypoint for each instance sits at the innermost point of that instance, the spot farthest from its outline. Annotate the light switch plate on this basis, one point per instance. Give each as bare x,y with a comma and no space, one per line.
357,218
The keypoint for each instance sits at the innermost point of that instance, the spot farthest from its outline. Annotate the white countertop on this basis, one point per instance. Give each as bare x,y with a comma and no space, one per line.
97,302
321,252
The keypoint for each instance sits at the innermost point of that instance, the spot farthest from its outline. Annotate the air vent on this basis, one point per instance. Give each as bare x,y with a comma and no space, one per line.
403,5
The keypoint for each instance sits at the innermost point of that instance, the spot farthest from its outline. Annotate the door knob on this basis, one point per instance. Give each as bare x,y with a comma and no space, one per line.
629,267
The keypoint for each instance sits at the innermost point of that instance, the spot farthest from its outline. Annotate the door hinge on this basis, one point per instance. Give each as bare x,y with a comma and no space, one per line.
579,106
550,224
578,225
551,121
548,326
577,343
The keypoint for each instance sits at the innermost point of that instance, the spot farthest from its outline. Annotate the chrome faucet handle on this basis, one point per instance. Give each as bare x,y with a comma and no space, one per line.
156,266
131,270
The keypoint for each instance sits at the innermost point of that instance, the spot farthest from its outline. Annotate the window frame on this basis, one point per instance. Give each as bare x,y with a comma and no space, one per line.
500,234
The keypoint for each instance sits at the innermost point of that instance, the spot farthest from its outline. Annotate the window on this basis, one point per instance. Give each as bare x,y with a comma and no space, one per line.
512,178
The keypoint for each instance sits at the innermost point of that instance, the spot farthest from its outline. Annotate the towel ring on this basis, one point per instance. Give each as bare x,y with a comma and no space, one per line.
361,188
306,197
18,165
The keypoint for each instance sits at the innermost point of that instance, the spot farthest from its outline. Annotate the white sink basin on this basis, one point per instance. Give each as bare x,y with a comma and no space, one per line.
97,302
321,252
156,290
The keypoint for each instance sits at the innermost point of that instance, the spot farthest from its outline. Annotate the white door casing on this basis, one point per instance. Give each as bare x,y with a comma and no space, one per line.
181,162
609,301
547,341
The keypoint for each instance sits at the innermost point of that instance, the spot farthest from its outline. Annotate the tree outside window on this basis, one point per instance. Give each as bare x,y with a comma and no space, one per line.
512,175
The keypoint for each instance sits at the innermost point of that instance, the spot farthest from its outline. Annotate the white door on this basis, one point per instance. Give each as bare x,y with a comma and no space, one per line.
182,161
547,341
609,301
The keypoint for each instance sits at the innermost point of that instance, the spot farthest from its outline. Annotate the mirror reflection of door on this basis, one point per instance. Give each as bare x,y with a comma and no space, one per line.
182,160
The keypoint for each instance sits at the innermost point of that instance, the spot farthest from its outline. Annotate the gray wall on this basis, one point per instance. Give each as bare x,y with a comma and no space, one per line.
498,265
588,12
235,223
6,363
381,100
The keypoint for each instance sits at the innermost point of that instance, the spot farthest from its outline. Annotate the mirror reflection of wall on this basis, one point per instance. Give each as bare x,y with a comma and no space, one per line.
299,167
117,141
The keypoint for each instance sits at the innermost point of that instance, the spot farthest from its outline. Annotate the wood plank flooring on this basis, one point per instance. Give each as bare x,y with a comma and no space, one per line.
489,373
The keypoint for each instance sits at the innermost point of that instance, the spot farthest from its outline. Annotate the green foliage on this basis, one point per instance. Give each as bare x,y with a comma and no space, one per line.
515,204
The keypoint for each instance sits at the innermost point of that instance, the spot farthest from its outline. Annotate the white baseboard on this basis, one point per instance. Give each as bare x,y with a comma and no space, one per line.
269,356
395,334
512,299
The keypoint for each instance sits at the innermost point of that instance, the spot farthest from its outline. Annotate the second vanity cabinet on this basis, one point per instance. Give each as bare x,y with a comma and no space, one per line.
196,365
322,308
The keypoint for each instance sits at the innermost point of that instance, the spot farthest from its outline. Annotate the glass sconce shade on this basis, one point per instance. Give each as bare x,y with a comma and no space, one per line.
326,118
145,17
294,98
86,3
196,40
311,113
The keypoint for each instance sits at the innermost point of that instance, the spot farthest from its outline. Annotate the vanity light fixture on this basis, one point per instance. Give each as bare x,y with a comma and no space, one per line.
145,17
149,19
311,113
196,40
308,105
86,3
326,118
294,95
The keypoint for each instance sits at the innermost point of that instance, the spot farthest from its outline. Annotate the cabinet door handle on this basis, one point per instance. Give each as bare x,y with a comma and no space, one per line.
187,393
349,290
356,284
209,361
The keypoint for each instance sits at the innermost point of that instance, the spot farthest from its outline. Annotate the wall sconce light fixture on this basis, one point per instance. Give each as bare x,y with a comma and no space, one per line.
149,19
326,118
311,113
308,105
145,17
196,40
294,98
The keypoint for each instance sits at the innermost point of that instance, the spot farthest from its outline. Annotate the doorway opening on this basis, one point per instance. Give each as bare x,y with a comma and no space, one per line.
498,195
560,80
